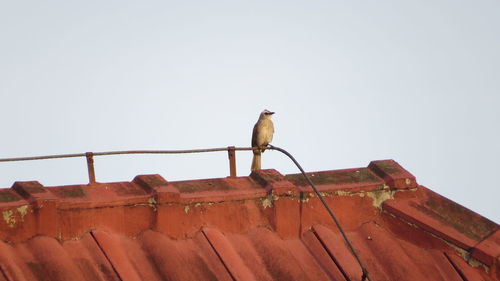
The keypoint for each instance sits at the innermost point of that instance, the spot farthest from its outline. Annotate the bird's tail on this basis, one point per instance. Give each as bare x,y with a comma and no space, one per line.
256,161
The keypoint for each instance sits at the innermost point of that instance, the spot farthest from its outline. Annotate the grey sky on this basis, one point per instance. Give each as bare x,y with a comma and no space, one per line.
351,82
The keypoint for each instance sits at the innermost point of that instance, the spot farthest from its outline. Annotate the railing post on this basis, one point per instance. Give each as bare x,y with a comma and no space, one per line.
90,166
232,161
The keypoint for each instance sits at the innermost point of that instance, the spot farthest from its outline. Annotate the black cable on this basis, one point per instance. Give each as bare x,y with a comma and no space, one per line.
365,272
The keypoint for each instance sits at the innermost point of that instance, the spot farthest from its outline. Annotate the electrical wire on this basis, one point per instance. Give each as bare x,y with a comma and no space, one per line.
332,215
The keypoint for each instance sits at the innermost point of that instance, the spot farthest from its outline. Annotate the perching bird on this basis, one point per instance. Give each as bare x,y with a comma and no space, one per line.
262,135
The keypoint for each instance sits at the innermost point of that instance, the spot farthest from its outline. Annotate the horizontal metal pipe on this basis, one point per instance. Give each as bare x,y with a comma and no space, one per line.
105,153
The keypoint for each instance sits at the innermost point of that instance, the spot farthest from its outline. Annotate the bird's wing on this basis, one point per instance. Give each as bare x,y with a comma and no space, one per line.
255,135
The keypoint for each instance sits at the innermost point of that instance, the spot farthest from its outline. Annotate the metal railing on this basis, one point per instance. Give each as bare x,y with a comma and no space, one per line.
231,150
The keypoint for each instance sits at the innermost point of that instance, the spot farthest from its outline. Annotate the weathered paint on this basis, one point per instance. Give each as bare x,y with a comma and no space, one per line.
23,210
267,202
8,217
380,196
14,216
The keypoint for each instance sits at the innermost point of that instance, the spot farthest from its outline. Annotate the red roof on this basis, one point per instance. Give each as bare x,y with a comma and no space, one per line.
263,227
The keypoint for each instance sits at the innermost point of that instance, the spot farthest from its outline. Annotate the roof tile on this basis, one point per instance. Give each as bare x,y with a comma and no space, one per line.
488,250
466,271
442,217
228,255
266,226
409,211
393,174
335,246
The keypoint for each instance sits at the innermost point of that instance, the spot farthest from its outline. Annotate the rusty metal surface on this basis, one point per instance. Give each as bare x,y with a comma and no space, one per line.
90,157
232,161
90,167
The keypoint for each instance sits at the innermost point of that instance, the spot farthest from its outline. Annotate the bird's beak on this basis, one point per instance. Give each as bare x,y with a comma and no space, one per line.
270,113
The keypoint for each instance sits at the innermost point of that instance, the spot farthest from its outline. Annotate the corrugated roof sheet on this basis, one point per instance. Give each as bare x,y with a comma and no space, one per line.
263,227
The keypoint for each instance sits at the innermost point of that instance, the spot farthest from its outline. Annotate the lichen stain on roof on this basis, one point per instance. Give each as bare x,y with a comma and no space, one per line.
266,226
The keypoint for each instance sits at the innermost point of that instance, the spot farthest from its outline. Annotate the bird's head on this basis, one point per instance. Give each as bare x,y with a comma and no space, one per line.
266,114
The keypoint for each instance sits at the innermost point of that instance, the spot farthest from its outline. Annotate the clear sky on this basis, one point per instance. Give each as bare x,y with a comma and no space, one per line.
350,81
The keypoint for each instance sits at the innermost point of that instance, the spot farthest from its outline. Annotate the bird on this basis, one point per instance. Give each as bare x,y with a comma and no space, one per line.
262,135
